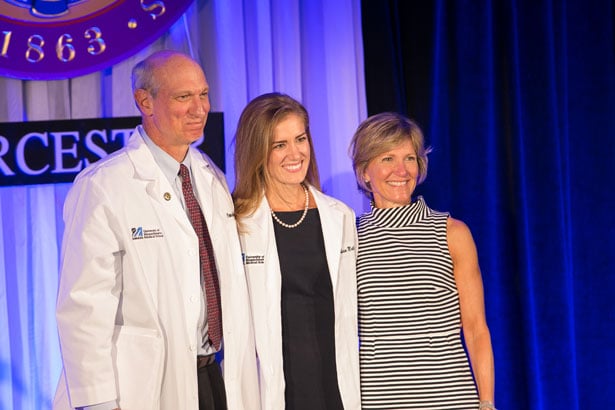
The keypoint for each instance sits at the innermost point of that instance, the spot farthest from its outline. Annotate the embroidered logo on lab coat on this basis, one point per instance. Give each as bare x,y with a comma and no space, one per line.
253,259
140,233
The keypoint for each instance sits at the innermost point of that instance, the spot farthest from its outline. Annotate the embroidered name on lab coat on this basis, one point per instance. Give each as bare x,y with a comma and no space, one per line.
347,249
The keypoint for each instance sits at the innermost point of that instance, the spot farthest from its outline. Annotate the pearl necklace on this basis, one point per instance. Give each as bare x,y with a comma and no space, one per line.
296,224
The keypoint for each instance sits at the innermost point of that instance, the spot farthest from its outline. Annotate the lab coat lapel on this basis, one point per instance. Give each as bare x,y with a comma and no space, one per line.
266,289
263,239
332,221
156,184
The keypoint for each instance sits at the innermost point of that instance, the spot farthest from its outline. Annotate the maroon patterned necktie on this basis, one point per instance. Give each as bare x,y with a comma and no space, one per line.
208,264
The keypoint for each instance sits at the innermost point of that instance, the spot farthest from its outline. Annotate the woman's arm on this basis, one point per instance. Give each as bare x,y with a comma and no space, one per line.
471,299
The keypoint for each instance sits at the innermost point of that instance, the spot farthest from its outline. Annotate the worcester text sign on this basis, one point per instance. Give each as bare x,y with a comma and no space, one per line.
42,152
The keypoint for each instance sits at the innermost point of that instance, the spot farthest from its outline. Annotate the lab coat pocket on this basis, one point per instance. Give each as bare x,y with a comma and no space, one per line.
137,354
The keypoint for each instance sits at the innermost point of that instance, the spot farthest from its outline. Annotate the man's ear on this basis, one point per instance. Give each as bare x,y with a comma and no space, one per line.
144,101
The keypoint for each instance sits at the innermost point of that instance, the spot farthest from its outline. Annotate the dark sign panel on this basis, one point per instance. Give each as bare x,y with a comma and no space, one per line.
43,152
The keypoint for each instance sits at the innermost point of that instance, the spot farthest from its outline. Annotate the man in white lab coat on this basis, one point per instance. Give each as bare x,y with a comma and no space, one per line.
132,313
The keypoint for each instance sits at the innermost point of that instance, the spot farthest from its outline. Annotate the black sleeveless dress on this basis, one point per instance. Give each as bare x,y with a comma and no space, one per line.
308,334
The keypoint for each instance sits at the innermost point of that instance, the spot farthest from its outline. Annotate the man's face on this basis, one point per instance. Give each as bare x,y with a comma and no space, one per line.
178,112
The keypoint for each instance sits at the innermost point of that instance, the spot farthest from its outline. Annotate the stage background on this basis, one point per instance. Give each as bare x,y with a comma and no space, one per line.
517,98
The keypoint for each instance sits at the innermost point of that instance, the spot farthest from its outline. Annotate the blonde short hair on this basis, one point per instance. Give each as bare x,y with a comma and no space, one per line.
381,133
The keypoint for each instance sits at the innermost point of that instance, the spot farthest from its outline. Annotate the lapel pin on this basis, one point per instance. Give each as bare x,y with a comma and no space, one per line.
167,196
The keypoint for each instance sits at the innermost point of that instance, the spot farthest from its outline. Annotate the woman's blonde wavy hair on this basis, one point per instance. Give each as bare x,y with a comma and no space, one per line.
253,144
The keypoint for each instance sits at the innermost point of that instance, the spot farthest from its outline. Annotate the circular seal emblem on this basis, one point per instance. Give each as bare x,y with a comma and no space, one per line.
59,39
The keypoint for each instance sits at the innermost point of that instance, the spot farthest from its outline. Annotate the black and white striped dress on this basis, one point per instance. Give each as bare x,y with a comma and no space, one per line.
411,352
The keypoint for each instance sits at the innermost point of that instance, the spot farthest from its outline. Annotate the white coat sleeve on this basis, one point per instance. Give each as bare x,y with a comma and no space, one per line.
88,294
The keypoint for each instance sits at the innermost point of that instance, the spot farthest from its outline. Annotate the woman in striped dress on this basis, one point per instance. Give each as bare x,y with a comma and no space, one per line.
419,284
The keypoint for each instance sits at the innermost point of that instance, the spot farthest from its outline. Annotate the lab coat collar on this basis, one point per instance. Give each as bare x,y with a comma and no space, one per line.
157,186
332,223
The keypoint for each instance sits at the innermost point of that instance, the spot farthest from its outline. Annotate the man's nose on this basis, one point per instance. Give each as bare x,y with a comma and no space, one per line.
200,106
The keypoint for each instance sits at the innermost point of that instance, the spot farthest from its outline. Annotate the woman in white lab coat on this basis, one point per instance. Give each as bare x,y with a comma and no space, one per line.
299,250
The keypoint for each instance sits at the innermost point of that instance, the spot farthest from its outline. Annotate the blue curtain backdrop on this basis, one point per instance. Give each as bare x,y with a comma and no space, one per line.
517,98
